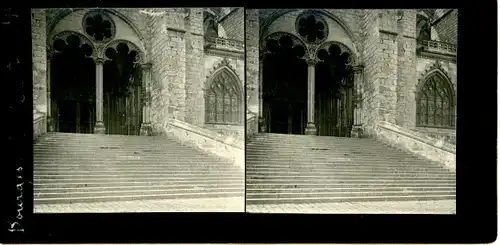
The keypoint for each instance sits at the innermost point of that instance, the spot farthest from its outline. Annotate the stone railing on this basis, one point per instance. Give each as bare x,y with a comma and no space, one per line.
436,46
448,135
211,142
252,124
223,43
424,146
39,125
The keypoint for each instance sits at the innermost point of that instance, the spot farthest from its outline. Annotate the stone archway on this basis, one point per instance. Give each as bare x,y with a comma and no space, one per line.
318,87
117,80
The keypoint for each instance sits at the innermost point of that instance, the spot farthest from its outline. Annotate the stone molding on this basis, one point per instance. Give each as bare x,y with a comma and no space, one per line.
432,149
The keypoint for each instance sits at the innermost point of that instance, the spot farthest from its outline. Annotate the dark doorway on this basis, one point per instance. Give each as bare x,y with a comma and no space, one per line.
122,91
333,95
72,86
285,86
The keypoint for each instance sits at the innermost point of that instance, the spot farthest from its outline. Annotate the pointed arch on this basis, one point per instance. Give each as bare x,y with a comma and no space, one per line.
435,100
223,97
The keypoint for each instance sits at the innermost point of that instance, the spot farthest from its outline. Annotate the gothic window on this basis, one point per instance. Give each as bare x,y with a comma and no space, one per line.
435,103
222,99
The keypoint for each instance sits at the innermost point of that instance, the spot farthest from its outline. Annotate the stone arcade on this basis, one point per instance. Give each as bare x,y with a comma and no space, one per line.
104,79
356,75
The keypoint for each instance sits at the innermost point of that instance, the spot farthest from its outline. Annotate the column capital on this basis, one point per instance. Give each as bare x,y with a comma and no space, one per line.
311,61
358,68
146,66
99,60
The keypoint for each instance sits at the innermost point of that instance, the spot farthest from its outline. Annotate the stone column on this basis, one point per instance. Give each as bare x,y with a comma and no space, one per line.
146,128
50,119
262,120
356,130
99,123
311,65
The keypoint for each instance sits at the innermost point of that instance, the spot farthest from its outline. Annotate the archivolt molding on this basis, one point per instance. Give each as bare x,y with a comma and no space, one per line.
64,12
224,64
100,47
65,34
321,12
435,68
353,61
276,36
140,58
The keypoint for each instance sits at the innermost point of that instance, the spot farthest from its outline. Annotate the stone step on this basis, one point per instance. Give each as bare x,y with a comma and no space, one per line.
257,186
112,170
349,189
139,196
95,174
346,198
137,191
336,193
315,177
334,174
347,181
73,178
135,182
354,165
345,168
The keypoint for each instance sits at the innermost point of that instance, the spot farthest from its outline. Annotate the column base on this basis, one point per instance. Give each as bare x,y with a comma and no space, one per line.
146,129
50,124
262,125
99,128
310,129
356,131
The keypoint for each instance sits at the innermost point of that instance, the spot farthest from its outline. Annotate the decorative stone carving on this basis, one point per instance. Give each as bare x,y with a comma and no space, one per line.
434,67
61,38
98,25
343,49
139,58
277,35
224,63
311,27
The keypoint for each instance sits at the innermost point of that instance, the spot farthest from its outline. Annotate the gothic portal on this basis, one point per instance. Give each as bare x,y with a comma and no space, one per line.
307,80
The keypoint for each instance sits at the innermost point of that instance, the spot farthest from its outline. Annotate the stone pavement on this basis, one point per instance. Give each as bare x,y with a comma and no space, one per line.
400,207
180,205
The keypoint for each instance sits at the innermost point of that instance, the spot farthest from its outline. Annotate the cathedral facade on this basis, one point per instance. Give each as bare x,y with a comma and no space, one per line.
340,72
129,71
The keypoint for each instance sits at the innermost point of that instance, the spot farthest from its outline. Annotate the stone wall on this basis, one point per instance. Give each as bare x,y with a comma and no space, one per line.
168,56
233,24
447,27
406,63
39,54
252,59
194,42
370,56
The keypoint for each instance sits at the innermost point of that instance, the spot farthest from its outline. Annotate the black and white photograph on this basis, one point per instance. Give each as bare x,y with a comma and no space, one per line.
351,111
138,110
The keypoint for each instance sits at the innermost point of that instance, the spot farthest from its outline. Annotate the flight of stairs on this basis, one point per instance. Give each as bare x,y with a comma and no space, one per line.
71,168
310,169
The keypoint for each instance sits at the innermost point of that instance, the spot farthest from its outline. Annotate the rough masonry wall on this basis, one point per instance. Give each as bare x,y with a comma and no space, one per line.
168,56
370,56
252,59
406,72
446,27
233,24
39,54
194,42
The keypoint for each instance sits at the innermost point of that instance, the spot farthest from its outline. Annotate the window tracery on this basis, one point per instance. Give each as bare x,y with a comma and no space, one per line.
222,100
435,103
99,26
